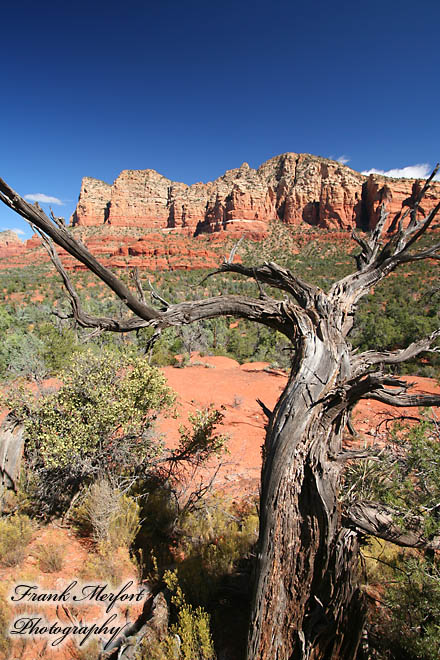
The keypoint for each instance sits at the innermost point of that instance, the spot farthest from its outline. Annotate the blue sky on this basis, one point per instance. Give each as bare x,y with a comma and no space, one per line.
193,88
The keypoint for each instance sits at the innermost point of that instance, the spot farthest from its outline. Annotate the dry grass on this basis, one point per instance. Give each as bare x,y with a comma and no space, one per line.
50,558
89,652
108,565
109,516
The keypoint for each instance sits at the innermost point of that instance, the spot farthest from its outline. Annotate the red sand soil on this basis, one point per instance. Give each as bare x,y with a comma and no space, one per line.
224,382
76,552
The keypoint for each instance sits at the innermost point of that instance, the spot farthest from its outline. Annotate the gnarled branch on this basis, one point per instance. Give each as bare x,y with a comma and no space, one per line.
81,317
380,387
280,278
361,362
380,521
272,313
62,237
307,297
400,399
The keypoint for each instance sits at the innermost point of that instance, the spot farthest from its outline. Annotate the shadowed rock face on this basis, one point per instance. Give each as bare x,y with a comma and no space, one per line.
294,188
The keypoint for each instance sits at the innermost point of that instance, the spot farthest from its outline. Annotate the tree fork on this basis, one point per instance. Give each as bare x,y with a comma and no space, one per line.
306,603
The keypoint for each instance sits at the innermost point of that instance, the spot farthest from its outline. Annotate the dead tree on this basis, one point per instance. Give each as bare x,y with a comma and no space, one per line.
306,603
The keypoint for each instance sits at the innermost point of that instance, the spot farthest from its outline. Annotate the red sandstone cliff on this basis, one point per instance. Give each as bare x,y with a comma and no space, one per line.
294,188
93,202
146,220
10,244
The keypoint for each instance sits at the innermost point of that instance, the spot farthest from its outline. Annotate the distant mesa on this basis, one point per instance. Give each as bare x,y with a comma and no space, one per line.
144,219
294,188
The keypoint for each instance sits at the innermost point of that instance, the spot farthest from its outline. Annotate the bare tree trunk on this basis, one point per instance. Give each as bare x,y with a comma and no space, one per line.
306,603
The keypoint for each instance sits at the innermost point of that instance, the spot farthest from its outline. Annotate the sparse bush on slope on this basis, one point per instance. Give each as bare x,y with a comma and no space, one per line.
404,622
100,422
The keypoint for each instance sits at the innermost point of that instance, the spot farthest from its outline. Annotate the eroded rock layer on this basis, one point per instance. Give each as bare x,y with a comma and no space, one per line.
10,244
295,188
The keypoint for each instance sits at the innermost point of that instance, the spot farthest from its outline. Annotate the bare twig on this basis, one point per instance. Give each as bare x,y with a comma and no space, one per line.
230,259
134,274
155,296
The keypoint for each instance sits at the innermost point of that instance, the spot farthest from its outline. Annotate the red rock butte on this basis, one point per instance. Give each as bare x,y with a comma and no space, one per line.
293,188
144,219
10,244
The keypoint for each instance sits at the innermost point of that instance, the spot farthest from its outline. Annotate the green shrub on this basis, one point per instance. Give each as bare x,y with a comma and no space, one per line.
189,638
15,535
159,513
192,625
200,441
5,617
404,614
104,400
404,623
213,539
21,355
100,421
414,600
405,474
58,346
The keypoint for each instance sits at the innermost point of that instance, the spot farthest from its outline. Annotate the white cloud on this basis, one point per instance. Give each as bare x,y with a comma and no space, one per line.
420,171
343,159
20,232
44,199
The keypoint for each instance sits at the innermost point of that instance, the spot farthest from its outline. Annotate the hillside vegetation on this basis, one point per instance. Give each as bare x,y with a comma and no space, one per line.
36,343
94,460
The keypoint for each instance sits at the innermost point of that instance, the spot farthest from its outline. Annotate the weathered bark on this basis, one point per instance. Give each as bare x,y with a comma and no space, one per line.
306,601
306,605
380,521
11,449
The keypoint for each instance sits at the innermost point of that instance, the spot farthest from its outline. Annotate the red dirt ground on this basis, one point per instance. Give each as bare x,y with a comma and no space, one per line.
223,382
28,572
